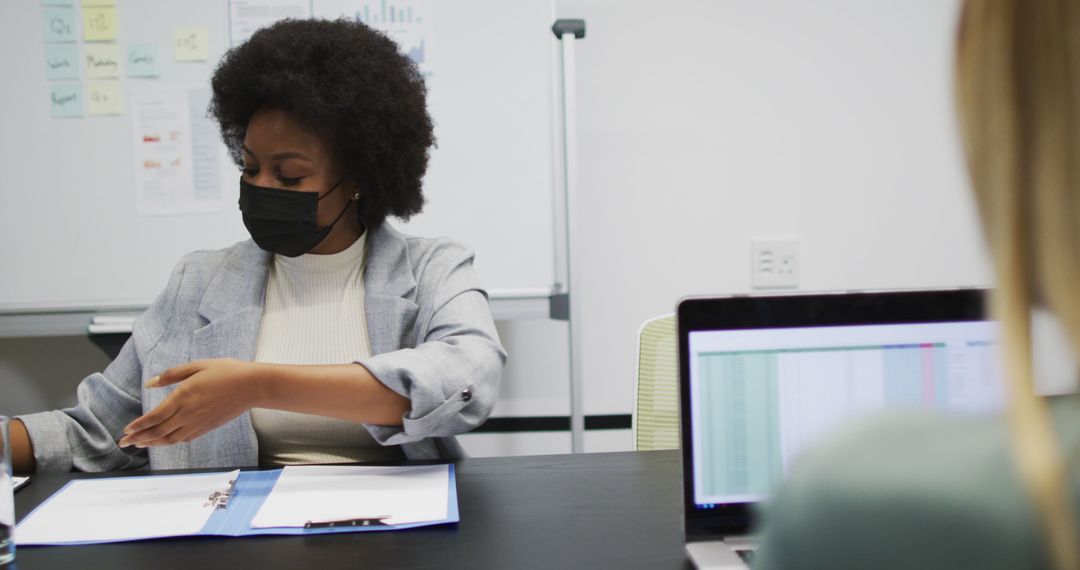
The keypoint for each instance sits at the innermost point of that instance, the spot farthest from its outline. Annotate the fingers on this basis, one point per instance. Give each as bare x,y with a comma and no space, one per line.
189,411
158,415
163,434
176,374
169,437
181,435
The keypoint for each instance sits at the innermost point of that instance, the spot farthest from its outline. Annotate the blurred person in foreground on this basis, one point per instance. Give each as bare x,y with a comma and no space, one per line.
994,492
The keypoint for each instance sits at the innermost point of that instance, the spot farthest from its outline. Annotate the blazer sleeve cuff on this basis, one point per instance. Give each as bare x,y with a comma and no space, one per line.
48,436
413,429
434,412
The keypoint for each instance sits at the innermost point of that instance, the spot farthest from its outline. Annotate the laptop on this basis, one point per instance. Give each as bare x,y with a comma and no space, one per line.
762,378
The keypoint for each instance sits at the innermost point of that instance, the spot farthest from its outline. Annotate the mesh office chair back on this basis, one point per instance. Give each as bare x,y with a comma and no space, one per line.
656,407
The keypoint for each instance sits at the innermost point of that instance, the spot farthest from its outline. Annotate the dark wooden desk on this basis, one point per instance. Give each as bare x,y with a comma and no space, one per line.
606,510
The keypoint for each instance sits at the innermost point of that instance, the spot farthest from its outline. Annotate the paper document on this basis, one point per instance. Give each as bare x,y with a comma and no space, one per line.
176,151
410,23
323,494
125,508
17,482
247,16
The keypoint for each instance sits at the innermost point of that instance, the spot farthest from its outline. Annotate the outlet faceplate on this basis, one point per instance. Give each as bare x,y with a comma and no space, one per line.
775,263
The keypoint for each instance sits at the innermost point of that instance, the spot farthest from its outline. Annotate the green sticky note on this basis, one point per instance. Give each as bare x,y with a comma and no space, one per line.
62,61
66,99
142,60
60,24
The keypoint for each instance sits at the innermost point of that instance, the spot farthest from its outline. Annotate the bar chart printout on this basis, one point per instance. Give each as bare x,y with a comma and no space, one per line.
755,410
410,23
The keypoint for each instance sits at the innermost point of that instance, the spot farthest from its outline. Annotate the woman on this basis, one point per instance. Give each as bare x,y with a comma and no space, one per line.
329,337
940,493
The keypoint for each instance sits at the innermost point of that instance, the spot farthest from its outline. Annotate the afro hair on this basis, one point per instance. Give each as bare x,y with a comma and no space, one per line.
348,83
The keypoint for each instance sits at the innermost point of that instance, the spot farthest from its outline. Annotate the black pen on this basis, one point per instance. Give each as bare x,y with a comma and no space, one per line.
370,521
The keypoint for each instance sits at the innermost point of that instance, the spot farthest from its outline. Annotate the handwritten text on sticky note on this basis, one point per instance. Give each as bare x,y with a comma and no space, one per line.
59,24
102,60
61,61
142,60
99,23
190,44
104,98
65,100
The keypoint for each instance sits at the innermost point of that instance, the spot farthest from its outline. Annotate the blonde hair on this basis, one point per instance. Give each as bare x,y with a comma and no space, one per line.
1018,92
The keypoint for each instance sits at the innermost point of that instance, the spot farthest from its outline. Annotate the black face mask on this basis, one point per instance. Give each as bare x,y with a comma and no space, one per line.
284,221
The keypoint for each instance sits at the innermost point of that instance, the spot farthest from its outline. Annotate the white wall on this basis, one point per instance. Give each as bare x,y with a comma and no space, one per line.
707,123
704,124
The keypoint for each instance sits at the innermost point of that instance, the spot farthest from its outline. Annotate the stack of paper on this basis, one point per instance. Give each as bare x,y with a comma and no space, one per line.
318,494
292,501
126,508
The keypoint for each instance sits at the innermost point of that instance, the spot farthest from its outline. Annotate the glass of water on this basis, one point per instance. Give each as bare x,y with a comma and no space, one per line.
7,496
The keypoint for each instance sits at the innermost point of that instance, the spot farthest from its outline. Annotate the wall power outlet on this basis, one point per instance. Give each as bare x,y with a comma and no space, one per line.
775,263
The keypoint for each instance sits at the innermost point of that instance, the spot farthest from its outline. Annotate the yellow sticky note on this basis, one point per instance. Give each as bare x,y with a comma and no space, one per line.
102,60
99,23
104,98
190,44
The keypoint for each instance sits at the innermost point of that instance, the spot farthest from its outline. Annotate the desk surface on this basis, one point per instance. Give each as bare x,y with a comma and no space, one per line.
604,510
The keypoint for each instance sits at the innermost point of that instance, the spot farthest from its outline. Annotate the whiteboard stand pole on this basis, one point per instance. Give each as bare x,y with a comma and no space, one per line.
568,32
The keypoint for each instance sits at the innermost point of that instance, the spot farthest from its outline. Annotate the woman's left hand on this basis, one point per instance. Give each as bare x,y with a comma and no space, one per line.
211,393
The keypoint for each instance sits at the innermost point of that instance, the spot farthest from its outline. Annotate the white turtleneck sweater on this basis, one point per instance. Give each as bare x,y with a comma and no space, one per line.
314,314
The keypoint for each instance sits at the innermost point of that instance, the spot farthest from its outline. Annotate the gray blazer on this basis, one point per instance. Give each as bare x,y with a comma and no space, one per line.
432,339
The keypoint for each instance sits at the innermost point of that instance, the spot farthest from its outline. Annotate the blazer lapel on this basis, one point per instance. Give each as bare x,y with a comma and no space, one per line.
233,306
389,292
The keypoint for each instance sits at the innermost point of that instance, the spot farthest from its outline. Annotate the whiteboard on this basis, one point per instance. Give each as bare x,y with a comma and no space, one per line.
72,237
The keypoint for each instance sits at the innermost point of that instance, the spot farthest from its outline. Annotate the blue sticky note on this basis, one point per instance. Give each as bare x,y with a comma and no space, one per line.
62,61
60,24
66,99
142,60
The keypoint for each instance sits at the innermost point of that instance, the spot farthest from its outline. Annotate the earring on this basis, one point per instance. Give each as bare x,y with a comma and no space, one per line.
355,196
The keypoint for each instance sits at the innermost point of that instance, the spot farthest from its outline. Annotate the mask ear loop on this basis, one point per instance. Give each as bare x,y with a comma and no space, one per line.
331,190
356,196
343,210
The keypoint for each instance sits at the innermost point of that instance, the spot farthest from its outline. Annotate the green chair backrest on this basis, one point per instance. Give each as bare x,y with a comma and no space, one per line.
656,409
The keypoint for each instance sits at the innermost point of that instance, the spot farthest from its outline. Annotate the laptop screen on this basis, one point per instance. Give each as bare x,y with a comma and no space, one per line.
761,378
759,397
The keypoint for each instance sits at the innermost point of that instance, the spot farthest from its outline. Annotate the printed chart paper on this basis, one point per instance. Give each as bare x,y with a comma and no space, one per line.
246,16
176,152
410,23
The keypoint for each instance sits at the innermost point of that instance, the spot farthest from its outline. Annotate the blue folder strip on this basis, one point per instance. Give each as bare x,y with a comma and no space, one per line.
252,489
